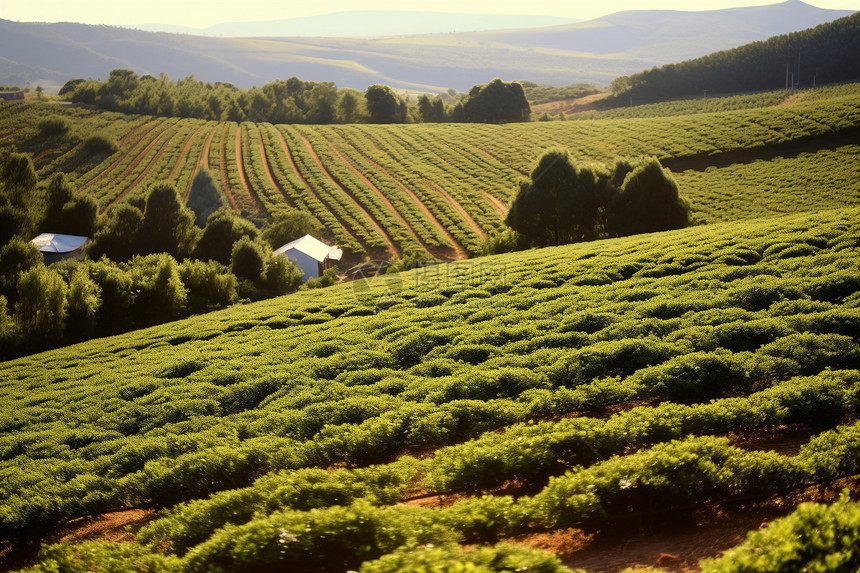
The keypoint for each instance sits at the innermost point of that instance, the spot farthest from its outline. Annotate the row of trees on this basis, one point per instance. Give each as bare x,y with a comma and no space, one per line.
565,202
150,261
295,101
826,53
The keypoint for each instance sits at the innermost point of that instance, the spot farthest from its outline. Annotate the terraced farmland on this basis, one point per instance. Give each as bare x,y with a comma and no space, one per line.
568,393
435,191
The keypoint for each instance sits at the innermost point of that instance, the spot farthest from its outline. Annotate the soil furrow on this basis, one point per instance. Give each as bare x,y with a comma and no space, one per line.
140,177
497,204
240,168
225,176
268,169
385,201
459,251
393,251
459,209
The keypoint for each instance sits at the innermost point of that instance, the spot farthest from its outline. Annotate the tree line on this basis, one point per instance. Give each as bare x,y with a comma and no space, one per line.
824,54
564,201
150,261
296,101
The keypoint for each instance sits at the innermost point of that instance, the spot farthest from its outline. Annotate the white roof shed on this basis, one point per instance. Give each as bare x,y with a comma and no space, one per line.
56,247
310,254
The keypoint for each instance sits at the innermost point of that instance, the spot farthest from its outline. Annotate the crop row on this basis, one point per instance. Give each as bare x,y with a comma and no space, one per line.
433,357
364,182
667,478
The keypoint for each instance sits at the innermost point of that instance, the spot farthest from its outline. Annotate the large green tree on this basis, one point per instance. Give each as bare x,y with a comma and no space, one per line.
561,202
564,202
648,201
382,104
497,102
168,226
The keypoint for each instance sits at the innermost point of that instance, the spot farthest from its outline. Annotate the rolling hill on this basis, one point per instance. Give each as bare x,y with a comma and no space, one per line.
554,398
436,191
595,52
639,401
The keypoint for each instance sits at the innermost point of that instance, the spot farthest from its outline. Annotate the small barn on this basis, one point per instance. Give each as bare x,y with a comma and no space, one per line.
9,96
56,247
311,255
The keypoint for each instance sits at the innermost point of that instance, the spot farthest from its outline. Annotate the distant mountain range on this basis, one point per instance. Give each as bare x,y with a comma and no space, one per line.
367,23
596,51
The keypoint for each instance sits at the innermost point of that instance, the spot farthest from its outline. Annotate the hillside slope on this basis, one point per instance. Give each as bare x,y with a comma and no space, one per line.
631,378
437,190
826,53
592,52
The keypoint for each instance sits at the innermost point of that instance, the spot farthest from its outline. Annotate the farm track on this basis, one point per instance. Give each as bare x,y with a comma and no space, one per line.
184,153
500,207
385,201
121,157
392,248
202,161
459,209
225,175
459,251
131,167
785,150
268,169
243,178
288,154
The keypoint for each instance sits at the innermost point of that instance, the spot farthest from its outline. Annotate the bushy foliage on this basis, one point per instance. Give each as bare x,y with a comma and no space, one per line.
223,229
564,202
815,537
496,102
204,197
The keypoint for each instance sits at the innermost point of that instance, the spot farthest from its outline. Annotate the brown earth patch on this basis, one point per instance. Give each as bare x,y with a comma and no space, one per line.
459,209
498,206
240,168
268,170
392,249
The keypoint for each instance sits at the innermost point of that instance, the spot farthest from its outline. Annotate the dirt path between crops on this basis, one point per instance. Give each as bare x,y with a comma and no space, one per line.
104,527
268,169
310,190
459,208
459,252
393,251
122,156
784,149
202,162
497,204
225,176
240,168
184,154
435,252
133,165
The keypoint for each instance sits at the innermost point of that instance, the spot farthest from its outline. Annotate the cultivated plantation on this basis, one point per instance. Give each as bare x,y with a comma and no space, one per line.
528,411
435,191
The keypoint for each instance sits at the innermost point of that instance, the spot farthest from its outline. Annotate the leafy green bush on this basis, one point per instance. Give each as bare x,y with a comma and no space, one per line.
815,537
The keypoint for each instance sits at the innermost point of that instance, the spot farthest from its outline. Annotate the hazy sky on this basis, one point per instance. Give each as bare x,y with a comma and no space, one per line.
202,13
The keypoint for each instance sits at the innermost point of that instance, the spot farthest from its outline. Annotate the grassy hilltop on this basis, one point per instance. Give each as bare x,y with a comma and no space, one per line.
584,400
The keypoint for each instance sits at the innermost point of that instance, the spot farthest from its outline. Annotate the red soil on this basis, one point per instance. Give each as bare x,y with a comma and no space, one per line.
240,167
393,251
267,168
459,209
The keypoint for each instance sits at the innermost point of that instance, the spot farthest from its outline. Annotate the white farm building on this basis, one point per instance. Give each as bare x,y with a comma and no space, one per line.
311,255
56,247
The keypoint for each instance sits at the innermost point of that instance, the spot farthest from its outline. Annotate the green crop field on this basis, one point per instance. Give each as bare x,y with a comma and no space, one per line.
435,191
514,412
630,377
